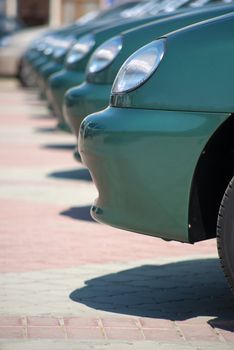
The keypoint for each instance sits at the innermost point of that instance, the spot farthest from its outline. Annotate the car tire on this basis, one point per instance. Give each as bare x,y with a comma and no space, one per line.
225,234
24,76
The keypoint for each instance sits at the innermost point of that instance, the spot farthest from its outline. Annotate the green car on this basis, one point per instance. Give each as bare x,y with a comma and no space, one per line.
76,61
41,52
38,49
161,155
57,45
78,57
48,56
93,94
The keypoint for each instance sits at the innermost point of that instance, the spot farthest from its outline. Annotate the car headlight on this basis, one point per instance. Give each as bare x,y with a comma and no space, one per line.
48,51
139,67
41,46
59,52
105,55
81,49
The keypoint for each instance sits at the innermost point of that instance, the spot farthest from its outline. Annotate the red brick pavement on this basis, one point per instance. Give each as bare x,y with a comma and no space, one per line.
113,328
35,236
31,155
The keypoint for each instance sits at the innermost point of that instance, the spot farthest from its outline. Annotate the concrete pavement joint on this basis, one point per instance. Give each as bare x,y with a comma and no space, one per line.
179,330
101,326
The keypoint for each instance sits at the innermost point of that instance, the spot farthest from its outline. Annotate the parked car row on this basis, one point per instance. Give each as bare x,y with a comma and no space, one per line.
9,25
147,90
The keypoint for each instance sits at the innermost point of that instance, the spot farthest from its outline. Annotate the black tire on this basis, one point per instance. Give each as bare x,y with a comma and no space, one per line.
225,234
24,75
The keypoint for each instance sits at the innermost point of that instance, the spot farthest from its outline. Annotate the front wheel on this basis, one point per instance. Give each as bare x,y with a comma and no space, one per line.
225,234
25,76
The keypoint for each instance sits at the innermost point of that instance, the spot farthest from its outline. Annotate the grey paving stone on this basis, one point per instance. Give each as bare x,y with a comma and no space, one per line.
93,287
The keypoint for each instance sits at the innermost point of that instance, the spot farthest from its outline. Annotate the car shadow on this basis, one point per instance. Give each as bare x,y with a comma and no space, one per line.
73,174
43,116
173,291
78,213
46,129
60,146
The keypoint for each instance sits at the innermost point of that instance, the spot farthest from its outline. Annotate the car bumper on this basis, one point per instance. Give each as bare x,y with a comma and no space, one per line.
31,56
36,66
44,73
83,100
142,162
49,69
40,61
57,86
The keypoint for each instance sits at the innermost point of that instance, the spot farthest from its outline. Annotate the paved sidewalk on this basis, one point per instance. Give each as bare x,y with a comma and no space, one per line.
70,283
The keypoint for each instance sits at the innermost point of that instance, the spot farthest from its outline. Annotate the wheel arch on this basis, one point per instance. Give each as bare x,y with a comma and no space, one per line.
212,175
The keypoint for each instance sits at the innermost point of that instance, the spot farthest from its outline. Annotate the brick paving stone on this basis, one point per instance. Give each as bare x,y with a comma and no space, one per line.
195,332
64,276
227,335
11,321
23,156
11,333
160,329
225,328
45,332
64,291
80,322
156,323
42,321
56,236
162,334
110,345
120,322
84,333
125,334
75,344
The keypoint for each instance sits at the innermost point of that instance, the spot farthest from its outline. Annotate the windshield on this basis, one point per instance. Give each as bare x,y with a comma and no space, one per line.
198,3
168,6
141,9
